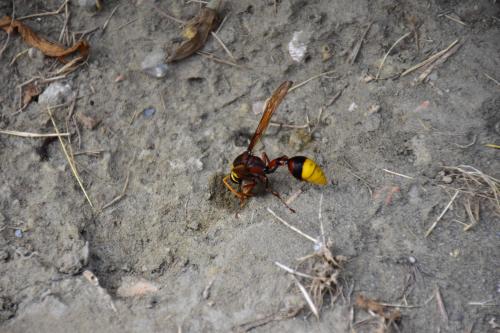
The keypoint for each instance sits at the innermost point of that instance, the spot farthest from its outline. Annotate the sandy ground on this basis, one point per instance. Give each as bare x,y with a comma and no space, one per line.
175,231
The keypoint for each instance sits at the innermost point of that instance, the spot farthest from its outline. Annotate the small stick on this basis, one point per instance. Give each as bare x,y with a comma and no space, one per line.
33,135
125,24
492,79
321,220
70,162
441,306
223,45
334,98
355,50
438,62
167,15
109,18
307,297
221,24
468,145
59,10
398,174
217,59
89,152
491,145
442,214
14,59
387,54
293,271
309,79
455,19
120,196
275,124
312,239
429,60
294,196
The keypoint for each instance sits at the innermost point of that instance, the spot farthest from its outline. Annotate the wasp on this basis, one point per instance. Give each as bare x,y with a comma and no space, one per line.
248,169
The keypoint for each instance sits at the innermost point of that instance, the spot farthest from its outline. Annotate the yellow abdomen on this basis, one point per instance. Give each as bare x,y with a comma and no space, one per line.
307,170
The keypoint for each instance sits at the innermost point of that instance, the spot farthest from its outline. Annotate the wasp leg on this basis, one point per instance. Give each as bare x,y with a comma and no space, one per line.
276,194
240,195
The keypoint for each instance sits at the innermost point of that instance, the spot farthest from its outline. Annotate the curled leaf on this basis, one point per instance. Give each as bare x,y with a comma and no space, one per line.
30,91
48,48
196,33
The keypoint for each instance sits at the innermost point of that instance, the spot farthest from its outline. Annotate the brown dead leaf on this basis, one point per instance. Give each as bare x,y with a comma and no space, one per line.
31,90
48,48
87,122
196,33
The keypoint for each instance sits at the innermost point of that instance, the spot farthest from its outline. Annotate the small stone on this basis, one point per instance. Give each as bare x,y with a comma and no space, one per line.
447,179
298,45
149,112
352,107
18,233
55,93
154,64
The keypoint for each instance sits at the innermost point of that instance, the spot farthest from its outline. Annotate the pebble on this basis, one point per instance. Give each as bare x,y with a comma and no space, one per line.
447,179
298,45
18,233
149,112
154,64
55,93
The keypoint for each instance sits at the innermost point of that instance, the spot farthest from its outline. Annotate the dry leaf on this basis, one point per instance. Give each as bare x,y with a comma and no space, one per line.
31,90
374,306
48,48
196,33
87,122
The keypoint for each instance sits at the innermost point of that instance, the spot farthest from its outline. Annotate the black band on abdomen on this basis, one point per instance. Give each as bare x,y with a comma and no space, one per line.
295,165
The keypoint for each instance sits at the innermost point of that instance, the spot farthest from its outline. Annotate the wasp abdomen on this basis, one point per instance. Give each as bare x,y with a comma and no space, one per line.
307,170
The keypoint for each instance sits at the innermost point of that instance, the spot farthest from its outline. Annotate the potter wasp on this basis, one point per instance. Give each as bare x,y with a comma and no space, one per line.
248,170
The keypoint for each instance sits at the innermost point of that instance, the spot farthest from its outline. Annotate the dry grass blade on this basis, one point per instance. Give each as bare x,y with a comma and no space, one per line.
441,307
298,85
429,60
303,234
33,135
388,52
492,79
55,12
71,162
120,196
307,297
438,62
355,51
293,271
442,214
398,174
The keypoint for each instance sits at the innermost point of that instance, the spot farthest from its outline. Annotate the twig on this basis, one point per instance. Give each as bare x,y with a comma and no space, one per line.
454,19
109,18
442,214
167,15
125,24
223,45
59,10
294,196
217,59
70,161
334,98
398,174
309,79
33,135
467,145
388,52
441,306
312,239
438,62
293,271
307,297
355,50
321,220
120,196
281,125
492,79
429,60
219,28
14,59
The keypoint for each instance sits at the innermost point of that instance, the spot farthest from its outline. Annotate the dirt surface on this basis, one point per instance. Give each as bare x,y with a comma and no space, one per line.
200,268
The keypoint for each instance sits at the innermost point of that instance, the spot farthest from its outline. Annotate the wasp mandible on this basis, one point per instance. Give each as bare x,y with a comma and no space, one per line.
247,169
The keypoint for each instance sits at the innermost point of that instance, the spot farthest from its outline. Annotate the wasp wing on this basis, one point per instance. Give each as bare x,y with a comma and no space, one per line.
271,106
